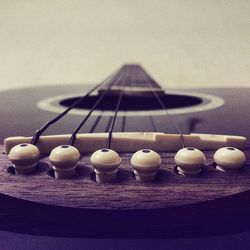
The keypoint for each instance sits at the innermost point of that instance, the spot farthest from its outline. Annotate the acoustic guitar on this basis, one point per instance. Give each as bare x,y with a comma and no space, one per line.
127,112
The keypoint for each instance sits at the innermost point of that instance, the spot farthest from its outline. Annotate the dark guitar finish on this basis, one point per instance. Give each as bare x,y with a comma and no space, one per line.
17,107
169,207
168,190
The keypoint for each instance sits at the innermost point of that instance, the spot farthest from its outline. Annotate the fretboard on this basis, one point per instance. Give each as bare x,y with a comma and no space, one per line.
131,78
133,75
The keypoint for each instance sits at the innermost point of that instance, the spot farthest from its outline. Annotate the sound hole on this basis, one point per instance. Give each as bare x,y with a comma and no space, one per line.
134,103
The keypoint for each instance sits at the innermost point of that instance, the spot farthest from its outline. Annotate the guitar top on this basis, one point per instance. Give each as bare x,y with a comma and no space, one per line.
172,202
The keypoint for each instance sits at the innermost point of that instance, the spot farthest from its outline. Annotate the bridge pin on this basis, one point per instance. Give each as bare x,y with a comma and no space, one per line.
229,158
105,162
189,161
64,159
24,157
146,164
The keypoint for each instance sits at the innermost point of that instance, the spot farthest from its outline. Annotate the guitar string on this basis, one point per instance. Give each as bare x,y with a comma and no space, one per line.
96,122
117,108
72,139
73,136
163,106
40,131
142,82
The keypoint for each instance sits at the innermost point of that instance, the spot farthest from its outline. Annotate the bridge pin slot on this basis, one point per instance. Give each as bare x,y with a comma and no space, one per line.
146,164
229,159
24,158
64,159
189,161
105,162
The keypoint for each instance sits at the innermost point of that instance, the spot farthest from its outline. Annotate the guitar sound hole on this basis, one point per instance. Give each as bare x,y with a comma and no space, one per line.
134,103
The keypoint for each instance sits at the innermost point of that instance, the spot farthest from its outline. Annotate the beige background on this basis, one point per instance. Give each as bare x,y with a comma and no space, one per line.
182,43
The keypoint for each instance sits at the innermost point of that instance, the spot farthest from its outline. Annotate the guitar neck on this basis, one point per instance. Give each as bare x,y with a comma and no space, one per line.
131,79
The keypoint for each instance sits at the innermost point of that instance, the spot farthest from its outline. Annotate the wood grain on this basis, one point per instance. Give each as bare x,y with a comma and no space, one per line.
81,191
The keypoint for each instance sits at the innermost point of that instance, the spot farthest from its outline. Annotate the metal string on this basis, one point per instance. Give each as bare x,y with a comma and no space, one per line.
164,107
116,111
73,136
123,125
96,122
40,131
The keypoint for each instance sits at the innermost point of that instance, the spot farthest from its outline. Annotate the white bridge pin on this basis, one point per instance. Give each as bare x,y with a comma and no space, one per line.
24,157
146,164
64,159
105,162
229,158
189,161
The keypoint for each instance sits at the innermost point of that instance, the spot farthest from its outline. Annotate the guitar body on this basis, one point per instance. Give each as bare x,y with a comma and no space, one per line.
171,206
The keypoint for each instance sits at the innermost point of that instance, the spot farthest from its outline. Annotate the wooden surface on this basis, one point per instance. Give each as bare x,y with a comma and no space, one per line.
172,206
81,191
